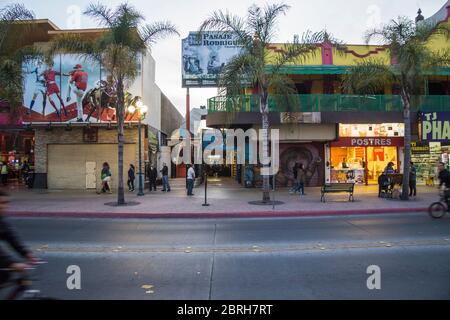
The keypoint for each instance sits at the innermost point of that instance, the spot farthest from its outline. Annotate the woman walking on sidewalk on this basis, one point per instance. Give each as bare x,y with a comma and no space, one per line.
106,178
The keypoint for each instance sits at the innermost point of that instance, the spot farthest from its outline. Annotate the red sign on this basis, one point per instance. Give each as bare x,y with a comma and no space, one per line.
370,142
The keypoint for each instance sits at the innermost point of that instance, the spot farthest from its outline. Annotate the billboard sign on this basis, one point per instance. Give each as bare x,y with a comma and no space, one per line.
435,126
204,56
68,89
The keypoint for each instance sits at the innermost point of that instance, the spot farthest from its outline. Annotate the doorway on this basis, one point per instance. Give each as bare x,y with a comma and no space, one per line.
377,160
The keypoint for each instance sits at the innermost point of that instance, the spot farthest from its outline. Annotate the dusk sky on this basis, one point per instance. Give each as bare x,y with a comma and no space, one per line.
346,20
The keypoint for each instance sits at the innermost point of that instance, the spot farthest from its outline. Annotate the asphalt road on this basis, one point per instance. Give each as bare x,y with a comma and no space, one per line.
305,258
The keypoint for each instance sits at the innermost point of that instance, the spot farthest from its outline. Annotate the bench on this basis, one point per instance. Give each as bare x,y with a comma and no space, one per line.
338,188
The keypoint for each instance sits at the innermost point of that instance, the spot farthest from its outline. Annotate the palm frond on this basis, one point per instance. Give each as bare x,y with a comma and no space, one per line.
368,77
297,52
227,22
15,12
284,93
255,20
74,44
397,31
271,15
102,14
157,30
436,60
28,54
128,16
9,16
237,75
425,31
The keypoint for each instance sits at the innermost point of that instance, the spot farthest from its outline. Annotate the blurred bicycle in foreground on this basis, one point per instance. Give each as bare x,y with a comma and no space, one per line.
19,286
437,210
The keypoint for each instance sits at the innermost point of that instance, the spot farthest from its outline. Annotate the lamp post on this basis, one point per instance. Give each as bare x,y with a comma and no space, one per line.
142,111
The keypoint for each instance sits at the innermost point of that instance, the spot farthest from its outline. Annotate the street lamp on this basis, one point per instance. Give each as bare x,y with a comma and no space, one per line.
142,110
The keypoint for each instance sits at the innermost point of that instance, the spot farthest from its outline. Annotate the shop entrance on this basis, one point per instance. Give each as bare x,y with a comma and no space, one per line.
363,165
377,160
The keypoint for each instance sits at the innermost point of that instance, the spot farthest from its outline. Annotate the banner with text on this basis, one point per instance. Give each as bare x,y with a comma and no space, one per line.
205,55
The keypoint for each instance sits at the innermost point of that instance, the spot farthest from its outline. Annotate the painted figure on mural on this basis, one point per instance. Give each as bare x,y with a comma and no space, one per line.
308,155
79,81
101,99
39,87
52,88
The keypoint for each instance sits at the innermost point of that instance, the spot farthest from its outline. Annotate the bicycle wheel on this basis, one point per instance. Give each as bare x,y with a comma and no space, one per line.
437,210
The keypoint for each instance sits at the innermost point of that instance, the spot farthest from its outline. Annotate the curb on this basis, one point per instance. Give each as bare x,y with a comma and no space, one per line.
220,215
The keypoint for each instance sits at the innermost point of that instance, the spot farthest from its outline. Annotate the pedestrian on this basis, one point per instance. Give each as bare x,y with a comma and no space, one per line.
301,179
9,263
444,181
165,178
295,188
152,176
24,171
131,178
190,180
106,178
389,168
412,181
4,173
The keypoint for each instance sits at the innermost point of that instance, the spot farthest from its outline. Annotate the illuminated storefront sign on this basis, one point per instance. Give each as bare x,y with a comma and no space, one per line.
369,142
435,126
372,130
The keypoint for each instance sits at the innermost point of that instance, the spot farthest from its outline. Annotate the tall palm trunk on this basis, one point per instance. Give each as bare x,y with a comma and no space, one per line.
407,151
120,140
265,137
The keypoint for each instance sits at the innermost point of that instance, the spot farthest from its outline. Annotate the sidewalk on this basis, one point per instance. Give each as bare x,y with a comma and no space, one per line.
226,199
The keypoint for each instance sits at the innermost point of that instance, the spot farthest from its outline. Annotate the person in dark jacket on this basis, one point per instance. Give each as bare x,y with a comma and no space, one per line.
131,178
8,236
165,178
152,176
301,179
412,181
296,187
444,181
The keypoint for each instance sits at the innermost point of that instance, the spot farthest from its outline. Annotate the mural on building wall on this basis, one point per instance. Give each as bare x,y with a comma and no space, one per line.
311,155
69,89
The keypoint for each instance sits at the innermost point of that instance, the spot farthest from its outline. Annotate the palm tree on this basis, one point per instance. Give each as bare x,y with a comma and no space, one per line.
256,66
124,39
413,60
14,52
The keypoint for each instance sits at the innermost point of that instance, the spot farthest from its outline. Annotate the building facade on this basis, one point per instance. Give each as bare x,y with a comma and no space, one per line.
340,137
64,150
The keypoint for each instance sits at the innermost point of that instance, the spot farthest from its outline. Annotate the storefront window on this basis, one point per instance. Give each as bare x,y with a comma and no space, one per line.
372,130
363,151
425,157
377,161
347,165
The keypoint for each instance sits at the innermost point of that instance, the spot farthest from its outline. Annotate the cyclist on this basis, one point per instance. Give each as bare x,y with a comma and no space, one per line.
8,236
444,180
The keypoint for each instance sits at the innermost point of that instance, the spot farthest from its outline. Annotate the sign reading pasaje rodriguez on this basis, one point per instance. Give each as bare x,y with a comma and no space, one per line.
205,55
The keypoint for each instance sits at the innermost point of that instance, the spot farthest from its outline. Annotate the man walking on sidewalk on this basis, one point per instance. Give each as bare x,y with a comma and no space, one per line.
412,181
190,180
165,178
152,176
301,179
